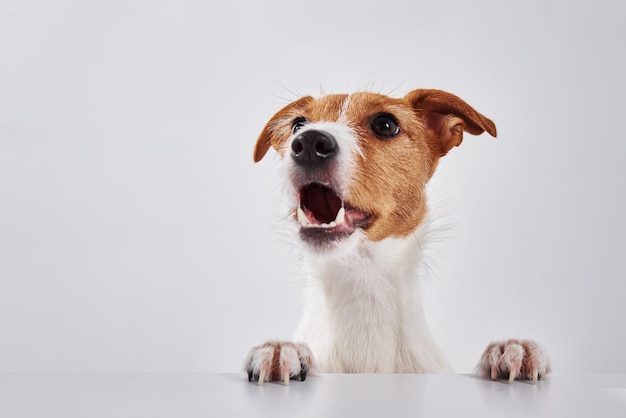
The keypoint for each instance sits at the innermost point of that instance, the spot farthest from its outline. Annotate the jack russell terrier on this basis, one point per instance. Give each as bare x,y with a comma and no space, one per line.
356,168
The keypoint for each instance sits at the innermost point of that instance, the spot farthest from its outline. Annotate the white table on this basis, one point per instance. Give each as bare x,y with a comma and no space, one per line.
93,395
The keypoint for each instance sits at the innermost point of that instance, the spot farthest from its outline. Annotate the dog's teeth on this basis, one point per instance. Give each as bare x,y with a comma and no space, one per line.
304,220
302,217
341,215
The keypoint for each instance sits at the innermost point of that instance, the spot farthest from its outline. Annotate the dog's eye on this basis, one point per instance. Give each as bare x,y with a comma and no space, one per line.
384,126
297,124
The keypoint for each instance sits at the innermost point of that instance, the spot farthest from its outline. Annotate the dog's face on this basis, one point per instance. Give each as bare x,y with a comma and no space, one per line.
357,165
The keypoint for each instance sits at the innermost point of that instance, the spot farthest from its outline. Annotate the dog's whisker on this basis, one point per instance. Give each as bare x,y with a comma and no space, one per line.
393,90
283,99
294,94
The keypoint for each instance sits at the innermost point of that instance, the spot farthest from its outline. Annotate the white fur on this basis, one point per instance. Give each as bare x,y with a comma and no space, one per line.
343,116
363,310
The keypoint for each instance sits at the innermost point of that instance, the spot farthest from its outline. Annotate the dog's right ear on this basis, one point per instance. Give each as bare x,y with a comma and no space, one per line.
447,116
278,129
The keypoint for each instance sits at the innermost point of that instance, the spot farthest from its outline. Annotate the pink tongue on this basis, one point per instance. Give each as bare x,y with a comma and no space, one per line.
321,201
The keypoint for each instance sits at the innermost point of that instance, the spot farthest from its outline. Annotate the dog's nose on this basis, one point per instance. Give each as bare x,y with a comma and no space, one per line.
313,147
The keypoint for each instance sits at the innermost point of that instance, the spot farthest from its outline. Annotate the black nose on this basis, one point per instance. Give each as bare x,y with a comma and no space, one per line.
313,147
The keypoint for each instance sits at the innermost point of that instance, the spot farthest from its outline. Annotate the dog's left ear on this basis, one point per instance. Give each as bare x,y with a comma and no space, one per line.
278,129
447,116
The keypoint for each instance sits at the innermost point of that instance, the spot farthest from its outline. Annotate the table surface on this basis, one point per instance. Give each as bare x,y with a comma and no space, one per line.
226,395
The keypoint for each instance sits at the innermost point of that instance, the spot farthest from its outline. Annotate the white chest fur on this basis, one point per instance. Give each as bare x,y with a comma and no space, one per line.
363,311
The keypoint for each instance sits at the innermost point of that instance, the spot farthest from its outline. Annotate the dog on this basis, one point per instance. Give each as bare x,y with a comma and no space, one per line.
356,168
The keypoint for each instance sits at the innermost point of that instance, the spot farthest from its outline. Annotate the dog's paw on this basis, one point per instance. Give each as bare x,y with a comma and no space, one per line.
515,359
276,361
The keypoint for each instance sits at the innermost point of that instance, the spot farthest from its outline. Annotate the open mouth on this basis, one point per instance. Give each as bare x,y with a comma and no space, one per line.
322,214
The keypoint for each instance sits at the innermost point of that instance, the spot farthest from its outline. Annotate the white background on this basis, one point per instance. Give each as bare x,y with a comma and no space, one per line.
136,234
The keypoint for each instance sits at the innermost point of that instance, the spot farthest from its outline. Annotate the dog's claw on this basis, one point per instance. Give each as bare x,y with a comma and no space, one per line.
517,359
304,367
279,361
494,372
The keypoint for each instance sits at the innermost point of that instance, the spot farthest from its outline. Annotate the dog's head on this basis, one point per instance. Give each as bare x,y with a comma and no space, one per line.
357,165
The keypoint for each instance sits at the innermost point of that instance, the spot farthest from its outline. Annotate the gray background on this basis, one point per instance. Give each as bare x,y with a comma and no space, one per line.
136,234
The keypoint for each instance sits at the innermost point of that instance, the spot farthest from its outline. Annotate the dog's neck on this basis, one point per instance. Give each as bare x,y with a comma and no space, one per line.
373,269
372,291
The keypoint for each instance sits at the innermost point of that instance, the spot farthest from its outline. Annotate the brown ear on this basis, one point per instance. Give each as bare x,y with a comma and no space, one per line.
448,116
278,129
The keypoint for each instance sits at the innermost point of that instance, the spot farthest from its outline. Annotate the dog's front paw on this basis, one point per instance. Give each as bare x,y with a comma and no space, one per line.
515,359
276,361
